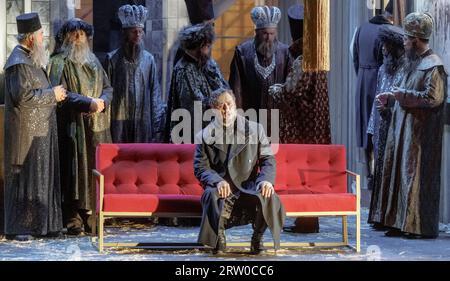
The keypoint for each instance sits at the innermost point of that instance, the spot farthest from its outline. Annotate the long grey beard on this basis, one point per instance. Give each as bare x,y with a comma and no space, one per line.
39,55
79,53
266,49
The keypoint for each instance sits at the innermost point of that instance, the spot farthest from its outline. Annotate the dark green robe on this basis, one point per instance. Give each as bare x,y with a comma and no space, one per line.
79,133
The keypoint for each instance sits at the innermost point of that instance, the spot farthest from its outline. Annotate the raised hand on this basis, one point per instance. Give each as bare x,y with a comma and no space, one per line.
383,99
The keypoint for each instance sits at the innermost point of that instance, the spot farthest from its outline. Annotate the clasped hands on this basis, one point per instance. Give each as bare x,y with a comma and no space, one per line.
383,99
60,93
224,189
97,105
276,90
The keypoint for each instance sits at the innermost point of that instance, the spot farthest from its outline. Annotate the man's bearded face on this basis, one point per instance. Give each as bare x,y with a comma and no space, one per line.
134,35
38,53
266,41
204,54
77,37
391,57
77,47
412,56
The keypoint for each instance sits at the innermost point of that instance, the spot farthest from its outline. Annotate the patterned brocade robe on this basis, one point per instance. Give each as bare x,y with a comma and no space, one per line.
191,83
378,127
304,107
32,186
412,161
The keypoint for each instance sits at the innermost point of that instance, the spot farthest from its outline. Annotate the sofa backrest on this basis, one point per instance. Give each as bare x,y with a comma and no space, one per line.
305,168
148,168
168,169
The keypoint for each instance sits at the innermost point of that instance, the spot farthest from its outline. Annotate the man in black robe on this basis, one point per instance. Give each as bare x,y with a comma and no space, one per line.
32,187
367,59
137,110
194,77
199,11
236,167
259,62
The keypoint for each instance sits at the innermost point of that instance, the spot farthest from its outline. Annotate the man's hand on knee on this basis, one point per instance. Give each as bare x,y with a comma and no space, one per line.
266,189
224,189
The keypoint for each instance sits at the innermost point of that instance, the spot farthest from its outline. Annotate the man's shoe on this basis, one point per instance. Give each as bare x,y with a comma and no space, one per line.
256,244
75,231
304,225
379,227
394,233
418,236
221,244
75,227
55,235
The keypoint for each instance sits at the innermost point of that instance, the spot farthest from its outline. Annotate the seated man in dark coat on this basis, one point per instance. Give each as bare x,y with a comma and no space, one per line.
235,164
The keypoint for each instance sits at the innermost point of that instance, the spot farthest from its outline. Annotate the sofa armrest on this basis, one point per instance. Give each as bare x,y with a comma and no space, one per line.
358,187
100,179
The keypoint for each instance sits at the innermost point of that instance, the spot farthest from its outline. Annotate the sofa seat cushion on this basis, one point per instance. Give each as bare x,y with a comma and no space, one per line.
319,202
152,203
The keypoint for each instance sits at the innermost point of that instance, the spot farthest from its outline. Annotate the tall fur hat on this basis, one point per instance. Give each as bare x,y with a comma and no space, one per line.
192,37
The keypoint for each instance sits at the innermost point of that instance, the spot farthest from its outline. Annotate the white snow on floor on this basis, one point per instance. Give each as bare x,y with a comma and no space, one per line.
374,245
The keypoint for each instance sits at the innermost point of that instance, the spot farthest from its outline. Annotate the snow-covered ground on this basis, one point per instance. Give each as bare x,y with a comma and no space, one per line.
375,246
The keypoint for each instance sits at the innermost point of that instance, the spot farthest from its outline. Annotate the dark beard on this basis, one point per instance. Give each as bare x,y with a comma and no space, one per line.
391,64
296,48
203,60
266,49
132,51
412,60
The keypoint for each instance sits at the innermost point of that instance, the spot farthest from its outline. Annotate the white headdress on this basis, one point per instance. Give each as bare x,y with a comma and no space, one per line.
266,16
133,16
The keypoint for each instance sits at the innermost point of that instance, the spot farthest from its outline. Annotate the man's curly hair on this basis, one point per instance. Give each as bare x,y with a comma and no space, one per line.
196,36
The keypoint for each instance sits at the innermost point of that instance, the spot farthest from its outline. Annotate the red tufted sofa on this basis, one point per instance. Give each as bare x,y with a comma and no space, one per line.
142,180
